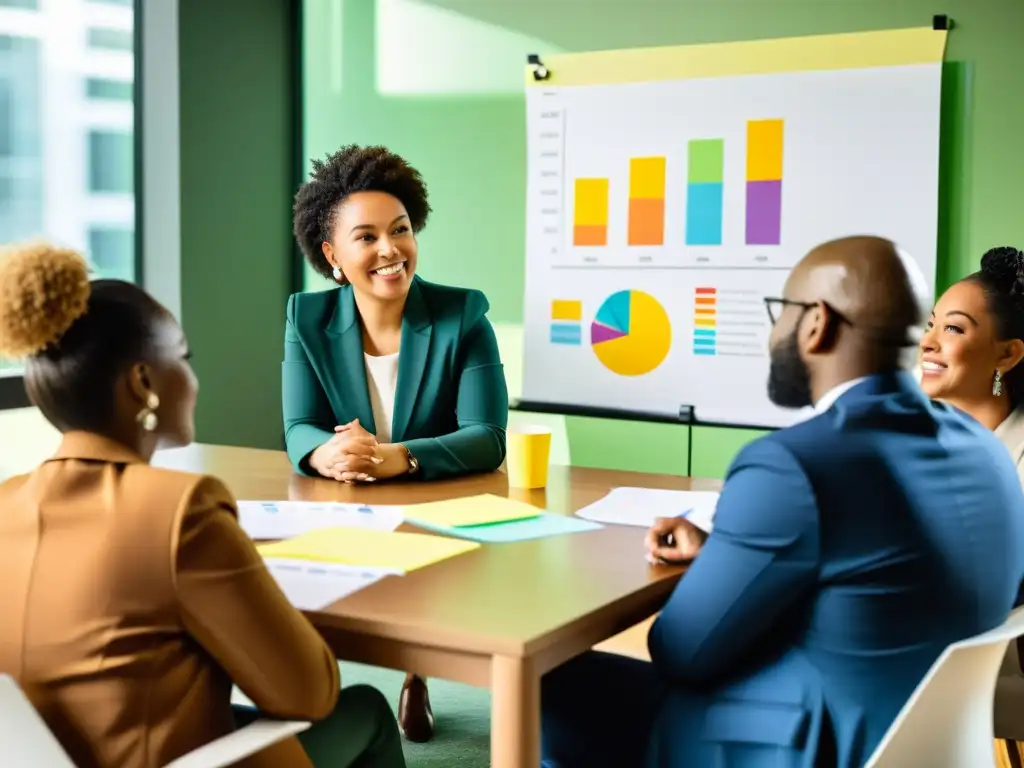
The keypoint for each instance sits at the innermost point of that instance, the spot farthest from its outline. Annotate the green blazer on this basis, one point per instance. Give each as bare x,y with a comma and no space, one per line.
451,403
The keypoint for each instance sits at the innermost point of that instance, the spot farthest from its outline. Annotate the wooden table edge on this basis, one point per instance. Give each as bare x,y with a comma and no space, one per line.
378,645
619,615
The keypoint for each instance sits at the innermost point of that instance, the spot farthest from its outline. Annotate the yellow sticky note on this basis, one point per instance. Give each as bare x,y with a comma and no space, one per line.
369,548
470,510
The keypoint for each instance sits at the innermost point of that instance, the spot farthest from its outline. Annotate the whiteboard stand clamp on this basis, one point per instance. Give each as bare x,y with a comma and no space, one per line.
540,72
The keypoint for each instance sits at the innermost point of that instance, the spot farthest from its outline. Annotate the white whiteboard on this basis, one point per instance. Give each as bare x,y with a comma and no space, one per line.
859,155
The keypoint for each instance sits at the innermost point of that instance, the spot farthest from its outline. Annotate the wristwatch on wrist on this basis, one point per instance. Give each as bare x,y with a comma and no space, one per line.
414,463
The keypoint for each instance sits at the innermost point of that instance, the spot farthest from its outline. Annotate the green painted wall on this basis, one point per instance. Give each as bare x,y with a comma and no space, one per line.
237,159
440,81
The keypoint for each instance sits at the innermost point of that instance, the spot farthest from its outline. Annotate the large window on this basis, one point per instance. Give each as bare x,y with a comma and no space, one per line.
67,144
112,252
111,162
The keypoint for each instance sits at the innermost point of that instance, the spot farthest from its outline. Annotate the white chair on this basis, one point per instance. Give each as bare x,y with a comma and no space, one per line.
26,742
1009,703
947,722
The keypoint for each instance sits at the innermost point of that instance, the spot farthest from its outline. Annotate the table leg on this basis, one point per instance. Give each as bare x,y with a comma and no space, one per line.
515,713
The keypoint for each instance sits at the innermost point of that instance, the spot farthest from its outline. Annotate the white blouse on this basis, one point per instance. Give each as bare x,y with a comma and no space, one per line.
382,381
1011,433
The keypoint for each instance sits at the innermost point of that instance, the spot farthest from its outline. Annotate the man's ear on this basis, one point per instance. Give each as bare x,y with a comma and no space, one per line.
817,329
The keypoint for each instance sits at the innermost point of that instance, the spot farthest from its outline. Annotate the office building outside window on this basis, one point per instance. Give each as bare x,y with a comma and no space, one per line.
67,158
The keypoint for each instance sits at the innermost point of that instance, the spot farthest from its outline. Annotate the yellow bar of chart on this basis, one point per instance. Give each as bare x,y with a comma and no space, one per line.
590,212
646,201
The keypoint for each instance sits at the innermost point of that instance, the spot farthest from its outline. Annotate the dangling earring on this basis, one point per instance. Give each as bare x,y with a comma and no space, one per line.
337,274
997,384
147,416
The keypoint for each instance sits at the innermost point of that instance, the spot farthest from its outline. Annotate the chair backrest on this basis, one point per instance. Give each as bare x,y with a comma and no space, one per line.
947,722
24,737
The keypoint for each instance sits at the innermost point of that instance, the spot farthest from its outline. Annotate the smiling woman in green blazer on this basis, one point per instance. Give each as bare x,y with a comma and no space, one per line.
387,375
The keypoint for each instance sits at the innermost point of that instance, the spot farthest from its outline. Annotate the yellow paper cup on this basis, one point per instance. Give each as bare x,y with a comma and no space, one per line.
527,457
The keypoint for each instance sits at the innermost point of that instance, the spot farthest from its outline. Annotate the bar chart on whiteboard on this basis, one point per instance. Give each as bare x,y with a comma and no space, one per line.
698,201
661,214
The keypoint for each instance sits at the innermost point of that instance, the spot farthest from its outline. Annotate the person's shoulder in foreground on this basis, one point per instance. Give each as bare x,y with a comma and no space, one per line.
132,599
849,550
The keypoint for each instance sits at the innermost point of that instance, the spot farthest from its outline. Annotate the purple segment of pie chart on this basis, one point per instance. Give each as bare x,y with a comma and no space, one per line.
599,333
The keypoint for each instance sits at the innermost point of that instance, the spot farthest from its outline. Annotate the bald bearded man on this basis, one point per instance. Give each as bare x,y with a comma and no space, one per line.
848,551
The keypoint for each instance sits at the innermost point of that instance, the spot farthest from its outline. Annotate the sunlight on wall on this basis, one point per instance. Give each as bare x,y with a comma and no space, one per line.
423,50
28,439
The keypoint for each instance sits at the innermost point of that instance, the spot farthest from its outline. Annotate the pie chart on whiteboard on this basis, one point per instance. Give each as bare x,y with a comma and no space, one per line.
631,333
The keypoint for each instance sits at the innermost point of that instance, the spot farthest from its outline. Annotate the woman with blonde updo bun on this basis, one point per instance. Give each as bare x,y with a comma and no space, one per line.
130,598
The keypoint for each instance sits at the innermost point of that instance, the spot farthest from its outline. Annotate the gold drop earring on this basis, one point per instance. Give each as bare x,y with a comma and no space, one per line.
147,416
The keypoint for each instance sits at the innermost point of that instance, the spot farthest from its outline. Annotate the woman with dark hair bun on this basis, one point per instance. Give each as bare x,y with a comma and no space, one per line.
130,598
973,346
971,358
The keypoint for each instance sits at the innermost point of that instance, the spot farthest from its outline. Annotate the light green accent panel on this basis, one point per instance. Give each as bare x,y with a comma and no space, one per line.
454,53
560,451
714,448
237,138
510,347
631,445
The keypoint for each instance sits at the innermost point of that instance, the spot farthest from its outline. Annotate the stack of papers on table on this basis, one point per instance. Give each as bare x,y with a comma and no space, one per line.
640,507
271,520
366,548
492,519
312,586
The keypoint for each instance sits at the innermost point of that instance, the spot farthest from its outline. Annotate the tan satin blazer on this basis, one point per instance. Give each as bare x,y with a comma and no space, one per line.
130,599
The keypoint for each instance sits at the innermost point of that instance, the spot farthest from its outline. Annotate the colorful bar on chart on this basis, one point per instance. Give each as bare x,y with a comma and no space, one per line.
705,321
764,182
590,212
567,333
704,192
566,327
566,309
646,201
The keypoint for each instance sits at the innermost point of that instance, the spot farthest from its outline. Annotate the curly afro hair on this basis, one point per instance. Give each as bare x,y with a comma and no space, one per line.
43,291
76,337
349,170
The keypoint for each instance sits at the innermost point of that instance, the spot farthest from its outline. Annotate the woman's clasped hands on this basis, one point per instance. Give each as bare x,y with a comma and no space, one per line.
350,456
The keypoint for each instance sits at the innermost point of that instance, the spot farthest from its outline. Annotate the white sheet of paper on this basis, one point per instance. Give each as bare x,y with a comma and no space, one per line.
311,586
640,506
264,520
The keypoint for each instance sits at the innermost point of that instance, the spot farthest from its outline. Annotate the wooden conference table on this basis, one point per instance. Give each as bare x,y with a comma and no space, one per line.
500,616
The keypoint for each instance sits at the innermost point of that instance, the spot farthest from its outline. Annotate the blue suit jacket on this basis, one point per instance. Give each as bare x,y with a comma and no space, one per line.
847,552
